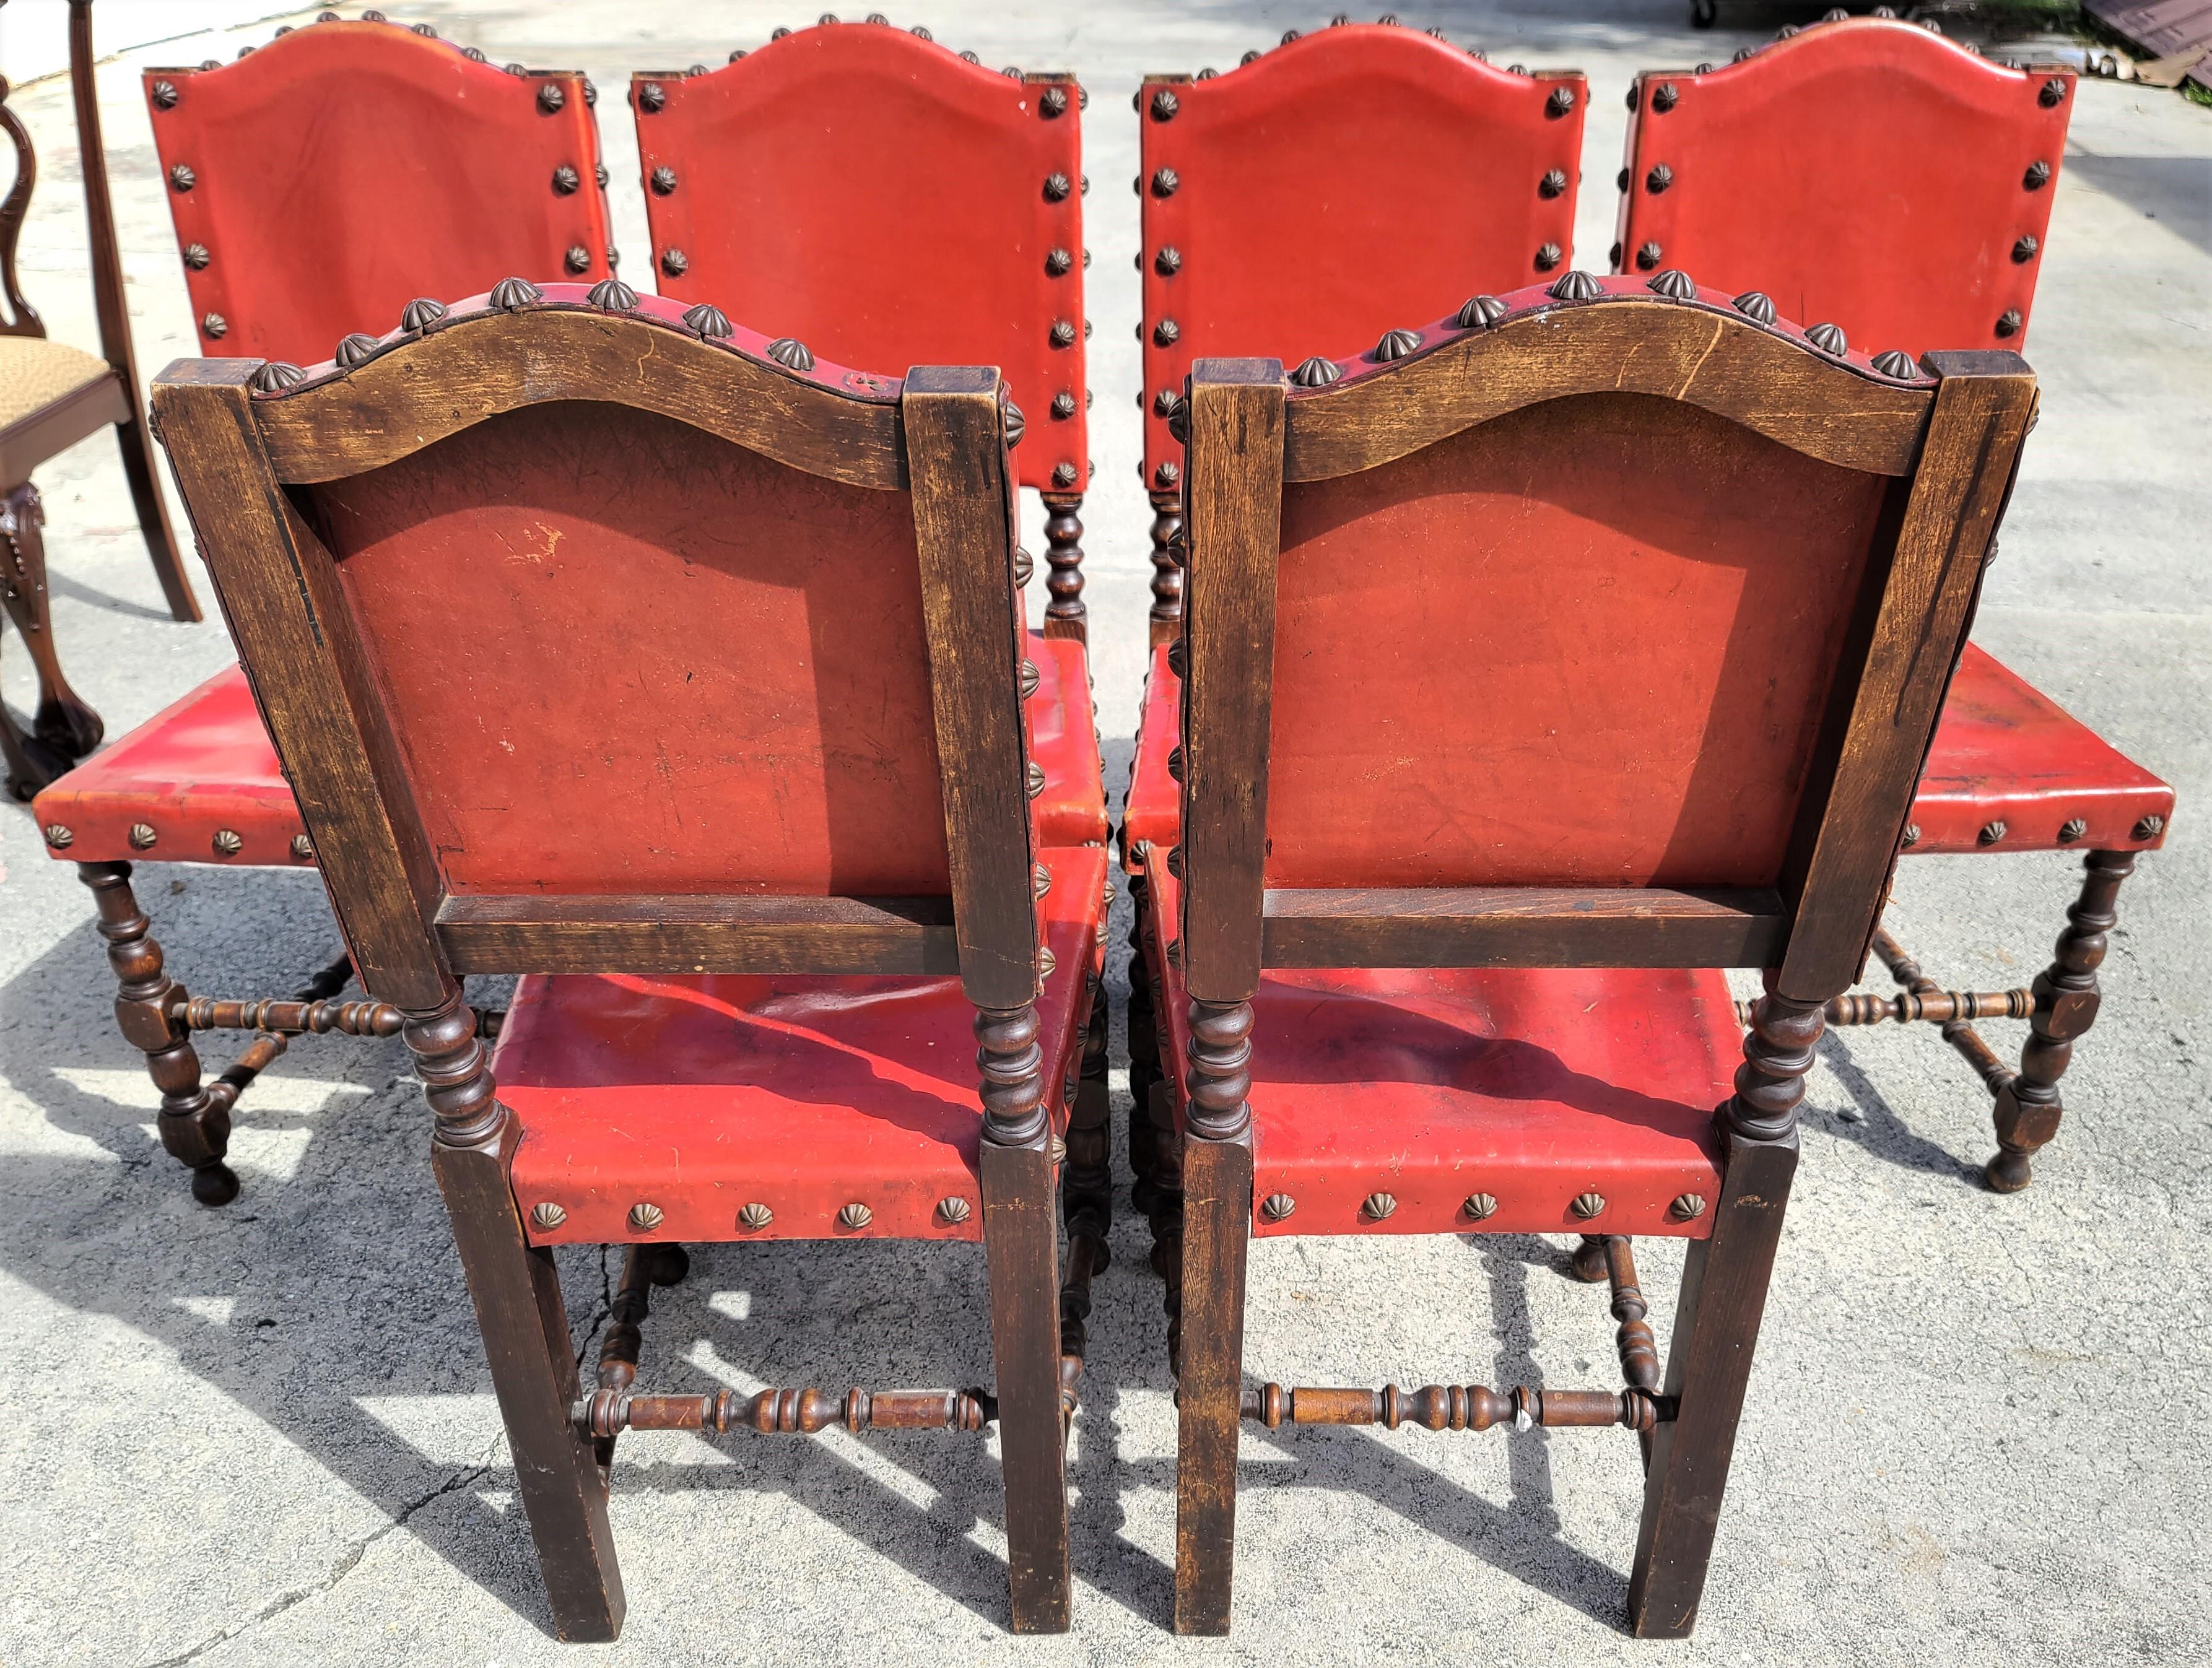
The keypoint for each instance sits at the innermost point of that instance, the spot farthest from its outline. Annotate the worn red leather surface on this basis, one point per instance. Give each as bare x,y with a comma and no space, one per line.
347,168
1864,171
886,202
1358,180
703,1095
1535,1087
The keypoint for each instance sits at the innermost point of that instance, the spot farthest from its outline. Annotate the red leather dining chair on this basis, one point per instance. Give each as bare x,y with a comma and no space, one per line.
319,185
1310,199
737,781
890,203
1438,945
1896,187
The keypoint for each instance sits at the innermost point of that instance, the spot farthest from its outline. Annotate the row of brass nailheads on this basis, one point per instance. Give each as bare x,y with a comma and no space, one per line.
2147,827
227,842
1378,1207
644,1217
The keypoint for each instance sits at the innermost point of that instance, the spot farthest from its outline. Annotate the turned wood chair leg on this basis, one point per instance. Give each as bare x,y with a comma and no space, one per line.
1724,1282
2028,1107
1216,1209
1589,1261
1165,621
1065,616
1144,1057
64,723
195,1123
1021,1245
517,1294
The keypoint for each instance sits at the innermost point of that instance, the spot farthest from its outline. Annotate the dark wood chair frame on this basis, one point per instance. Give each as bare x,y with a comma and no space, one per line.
65,728
240,437
1950,450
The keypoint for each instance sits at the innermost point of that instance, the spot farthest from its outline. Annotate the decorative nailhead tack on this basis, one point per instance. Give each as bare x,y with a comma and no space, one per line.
228,843
644,1218
756,1216
1277,1207
1587,1205
1480,1206
143,836
1378,1206
547,1216
855,1216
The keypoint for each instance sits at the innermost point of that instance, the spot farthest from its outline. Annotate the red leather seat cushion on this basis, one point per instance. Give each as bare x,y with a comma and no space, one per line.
703,1094
2003,752
204,764
2007,753
1534,1086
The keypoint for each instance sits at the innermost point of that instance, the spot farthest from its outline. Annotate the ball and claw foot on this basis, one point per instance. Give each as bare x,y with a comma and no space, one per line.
215,1183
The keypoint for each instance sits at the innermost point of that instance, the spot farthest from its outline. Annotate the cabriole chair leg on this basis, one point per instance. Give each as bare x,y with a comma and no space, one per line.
62,723
1724,1296
195,1123
2028,1107
517,1294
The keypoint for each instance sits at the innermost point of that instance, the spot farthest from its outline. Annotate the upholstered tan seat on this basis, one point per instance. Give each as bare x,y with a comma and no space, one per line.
35,373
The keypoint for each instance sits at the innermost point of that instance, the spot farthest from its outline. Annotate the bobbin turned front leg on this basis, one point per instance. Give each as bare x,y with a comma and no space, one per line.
2028,1107
195,1123
1165,620
517,1295
64,723
1065,616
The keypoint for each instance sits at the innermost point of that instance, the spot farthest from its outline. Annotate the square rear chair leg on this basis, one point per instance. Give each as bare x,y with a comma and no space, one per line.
195,1123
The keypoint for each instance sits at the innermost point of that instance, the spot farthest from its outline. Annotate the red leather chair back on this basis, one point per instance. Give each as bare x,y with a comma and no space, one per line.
621,654
324,180
890,202
1351,181
1864,172
1588,643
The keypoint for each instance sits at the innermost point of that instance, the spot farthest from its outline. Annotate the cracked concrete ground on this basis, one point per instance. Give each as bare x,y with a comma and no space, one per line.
1976,1434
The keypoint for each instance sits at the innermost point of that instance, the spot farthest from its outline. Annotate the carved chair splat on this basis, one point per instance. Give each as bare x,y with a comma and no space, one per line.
1722,503
679,1062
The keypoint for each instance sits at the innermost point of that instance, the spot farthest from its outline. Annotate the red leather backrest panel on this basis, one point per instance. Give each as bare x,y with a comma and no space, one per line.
1864,171
346,168
1355,181
886,202
1587,644
621,654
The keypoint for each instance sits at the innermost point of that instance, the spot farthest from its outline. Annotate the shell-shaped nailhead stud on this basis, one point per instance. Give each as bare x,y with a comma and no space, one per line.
756,1216
706,320
1575,285
1895,363
1030,678
2071,830
1175,763
1277,1207
1057,187
1479,1206
1479,311
59,837
1166,333
2150,827
215,326
513,294
420,313
547,1215
1587,1205
1560,102
1674,283
791,354
613,295
182,178
1687,1207
143,836
1378,1206
2037,177
1063,407
2025,249
1828,338
1046,964
475,55
644,1218
1063,332
1016,425
1316,373
675,262
2052,92
197,257
1035,778
1025,566
303,848
1165,476
1174,861
954,1210
1058,263
1665,97
1549,256
1397,344
1990,832
228,842
1179,420
278,375
551,98
2010,321
164,94
1648,255
1064,475
1658,180
651,96
1053,101
1911,836
1756,306
353,350
578,259
1040,879
1553,184
856,1216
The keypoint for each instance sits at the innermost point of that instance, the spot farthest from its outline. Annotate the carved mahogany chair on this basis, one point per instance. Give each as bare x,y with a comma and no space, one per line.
1284,212
320,185
52,395
1438,943
738,778
891,202
1930,236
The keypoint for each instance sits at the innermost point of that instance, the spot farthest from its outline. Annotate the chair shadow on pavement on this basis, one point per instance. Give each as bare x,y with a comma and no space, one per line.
1876,1126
